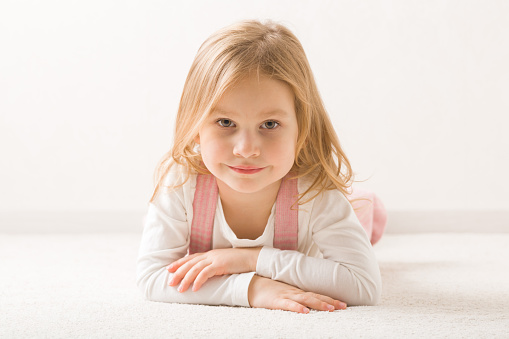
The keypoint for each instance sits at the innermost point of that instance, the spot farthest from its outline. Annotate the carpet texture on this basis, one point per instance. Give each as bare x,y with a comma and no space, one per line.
83,286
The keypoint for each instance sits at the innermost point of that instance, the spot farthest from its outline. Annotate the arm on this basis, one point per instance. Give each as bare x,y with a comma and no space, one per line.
165,239
348,271
262,292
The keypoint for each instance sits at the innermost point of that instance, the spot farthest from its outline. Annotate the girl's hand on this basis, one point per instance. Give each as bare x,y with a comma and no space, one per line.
272,294
199,267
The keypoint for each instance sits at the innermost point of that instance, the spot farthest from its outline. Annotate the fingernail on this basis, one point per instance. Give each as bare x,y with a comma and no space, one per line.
306,310
170,267
330,307
180,288
342,305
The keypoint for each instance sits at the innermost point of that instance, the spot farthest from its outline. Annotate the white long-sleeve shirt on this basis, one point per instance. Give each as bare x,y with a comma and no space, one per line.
334,256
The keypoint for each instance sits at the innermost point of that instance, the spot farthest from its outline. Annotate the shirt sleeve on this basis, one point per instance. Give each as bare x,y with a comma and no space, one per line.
348,270
166,239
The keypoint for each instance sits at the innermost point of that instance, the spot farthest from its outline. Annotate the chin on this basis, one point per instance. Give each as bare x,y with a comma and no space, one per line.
245,187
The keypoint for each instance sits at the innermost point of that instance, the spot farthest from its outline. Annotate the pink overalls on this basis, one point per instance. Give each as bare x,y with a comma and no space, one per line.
371,215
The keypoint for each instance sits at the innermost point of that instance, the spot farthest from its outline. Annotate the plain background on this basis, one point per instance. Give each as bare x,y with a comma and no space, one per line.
417,91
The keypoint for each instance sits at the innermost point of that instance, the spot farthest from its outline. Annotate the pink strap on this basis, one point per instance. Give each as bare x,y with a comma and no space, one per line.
204,207
204,210
287,215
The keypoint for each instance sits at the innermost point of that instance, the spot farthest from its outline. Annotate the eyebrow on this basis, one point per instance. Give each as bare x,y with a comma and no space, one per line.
274,112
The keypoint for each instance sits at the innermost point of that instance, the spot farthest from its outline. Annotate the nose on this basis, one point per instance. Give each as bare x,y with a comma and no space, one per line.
246,145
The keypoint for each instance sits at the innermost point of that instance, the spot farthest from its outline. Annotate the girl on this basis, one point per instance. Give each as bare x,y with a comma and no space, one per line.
249,207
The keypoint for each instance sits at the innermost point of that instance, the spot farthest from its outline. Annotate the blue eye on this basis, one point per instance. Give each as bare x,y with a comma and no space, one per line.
270,124
225,123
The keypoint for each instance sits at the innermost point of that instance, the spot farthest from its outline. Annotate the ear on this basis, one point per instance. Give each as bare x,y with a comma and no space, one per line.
197,139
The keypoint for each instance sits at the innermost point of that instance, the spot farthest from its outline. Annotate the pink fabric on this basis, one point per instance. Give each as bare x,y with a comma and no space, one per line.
204,207
287,215
371,213
367,206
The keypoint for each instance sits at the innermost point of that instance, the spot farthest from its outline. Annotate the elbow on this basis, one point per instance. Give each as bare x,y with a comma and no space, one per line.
144,286
371,297
366,289
153,286
146,282
370,291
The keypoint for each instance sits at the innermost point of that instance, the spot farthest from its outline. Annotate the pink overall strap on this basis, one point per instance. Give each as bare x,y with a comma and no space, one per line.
204,210
204,207
286,225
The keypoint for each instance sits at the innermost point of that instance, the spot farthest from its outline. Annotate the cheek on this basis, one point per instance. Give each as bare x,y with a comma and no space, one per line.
213,149
282,151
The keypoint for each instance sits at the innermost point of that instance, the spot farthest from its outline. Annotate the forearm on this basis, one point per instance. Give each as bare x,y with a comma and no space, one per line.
229,290
354,285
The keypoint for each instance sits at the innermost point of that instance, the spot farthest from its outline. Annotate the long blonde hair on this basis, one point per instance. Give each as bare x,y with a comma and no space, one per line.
273,50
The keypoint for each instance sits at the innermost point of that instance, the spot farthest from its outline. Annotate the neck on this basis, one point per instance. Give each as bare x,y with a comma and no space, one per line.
262,200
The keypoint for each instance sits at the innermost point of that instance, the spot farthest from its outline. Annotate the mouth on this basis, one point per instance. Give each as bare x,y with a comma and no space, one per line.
246,169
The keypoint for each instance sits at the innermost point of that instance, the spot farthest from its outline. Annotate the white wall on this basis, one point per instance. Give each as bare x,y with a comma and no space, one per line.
417,91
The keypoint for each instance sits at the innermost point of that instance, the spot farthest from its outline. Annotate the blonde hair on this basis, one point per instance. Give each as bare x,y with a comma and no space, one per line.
269,49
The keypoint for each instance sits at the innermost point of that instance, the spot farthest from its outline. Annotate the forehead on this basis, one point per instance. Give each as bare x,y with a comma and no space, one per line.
258,95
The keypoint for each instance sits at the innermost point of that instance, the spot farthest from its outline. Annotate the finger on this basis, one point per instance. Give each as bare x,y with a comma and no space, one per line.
191,275
205,274
338,305
310,300
290,305
176,264
182,271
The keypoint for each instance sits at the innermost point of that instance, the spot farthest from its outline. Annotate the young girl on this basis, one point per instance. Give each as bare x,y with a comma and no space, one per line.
250,206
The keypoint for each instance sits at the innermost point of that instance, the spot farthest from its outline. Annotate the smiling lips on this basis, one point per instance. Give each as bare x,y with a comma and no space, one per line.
246,169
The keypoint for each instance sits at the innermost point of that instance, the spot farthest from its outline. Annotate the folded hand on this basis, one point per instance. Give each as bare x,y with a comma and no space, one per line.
197,268
266,293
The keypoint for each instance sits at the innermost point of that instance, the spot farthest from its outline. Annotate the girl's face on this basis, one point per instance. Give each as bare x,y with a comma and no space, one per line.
248,142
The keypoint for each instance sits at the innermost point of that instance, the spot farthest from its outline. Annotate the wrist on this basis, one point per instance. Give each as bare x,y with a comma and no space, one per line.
255,252
251,291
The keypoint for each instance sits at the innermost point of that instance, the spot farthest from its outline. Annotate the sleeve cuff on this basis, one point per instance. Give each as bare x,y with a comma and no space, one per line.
240,294
265,261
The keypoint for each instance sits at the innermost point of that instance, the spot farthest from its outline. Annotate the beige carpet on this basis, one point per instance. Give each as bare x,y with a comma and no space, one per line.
83,286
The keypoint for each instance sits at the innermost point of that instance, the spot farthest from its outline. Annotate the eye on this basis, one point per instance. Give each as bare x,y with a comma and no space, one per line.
270,124
225,123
